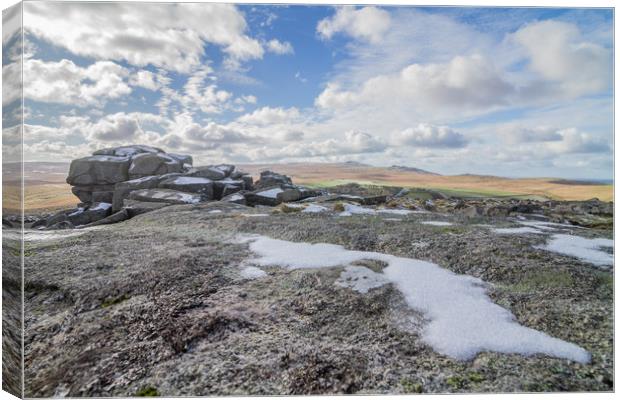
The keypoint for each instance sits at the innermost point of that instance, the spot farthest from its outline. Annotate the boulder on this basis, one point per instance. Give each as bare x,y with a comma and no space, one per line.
289,195
165,196
94,212
85,193
266,197
190,184
61,225
147,164
270,178
227,169
134,207
184,159
236,198
227,186
98,170
208,172
123,189
112,219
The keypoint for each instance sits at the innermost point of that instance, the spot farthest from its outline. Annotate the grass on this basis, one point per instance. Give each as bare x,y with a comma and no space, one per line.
147,391
114,300
543,280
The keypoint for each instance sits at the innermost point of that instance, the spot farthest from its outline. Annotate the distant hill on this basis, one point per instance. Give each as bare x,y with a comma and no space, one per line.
411,169
46,187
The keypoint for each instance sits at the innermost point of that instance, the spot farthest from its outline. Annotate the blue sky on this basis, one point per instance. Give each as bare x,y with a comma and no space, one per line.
506,91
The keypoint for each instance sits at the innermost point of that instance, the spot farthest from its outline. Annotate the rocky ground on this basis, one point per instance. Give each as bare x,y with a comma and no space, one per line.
160,305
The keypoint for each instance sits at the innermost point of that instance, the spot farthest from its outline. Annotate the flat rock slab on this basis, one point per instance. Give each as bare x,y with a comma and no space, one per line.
165,196
190,184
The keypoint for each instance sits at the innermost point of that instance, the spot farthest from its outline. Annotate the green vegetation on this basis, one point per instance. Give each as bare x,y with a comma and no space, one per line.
114,300
409,386
543,280
456,382
147,391
475,377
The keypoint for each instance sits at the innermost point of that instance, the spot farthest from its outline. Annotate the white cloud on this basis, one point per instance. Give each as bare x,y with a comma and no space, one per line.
145,79
277,47
574,141
172,36
270,116
465,84
560,55
367,23
426,135
65,82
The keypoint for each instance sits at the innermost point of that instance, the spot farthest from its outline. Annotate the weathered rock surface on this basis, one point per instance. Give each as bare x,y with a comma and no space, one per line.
270,178
98,170
160,302
148,164
191,184
165,196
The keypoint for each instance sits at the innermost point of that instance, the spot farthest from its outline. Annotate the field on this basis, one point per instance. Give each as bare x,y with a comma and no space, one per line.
47,190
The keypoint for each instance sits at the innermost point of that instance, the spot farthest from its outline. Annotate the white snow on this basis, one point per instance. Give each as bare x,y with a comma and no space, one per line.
516,231
396,212
361,279
293,205
588,250
214,212
437,223
76,212
254,215
314,208
101,206
252,273
42,236
350,209
463,321
272,193
191,180
547,226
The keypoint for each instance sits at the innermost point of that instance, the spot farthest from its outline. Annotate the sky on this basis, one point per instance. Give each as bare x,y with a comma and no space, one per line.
502,91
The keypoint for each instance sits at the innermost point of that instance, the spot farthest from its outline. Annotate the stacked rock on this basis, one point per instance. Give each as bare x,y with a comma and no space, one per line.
118,183
93,178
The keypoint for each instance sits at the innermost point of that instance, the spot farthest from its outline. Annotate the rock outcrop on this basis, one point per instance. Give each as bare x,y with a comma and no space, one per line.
118,183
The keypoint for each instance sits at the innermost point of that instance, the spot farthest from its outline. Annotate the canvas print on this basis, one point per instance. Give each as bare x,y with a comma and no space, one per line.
212,199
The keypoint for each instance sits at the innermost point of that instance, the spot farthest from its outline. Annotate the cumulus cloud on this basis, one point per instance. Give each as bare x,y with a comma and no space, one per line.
464,84
65,82
574,141
172,36
269,115
559,54
431,136
278,47
145,79
368,23
516,134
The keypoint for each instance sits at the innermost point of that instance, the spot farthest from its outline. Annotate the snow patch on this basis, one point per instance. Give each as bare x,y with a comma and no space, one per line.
101,206
315,208
588,250
463,321
437,223
252,273
190,180
516,231
396,212
350,209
